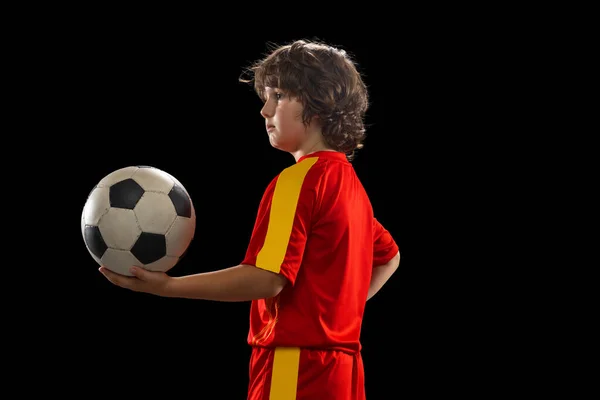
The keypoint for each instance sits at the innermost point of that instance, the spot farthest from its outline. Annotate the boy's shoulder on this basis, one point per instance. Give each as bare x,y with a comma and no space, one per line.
309,168
300,176
308,171
319,162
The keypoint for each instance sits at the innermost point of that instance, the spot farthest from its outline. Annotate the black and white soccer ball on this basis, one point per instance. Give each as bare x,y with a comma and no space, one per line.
138,216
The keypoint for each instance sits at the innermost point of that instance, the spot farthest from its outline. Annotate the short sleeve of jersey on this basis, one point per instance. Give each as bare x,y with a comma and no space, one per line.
384,246
283,222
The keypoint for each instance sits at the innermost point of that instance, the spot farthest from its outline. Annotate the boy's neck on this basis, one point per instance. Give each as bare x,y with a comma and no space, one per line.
319,146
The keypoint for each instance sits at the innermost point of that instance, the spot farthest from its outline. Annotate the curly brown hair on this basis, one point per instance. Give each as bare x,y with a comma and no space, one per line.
327,82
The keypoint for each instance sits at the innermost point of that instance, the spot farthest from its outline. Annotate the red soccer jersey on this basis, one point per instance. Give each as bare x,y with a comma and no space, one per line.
315,225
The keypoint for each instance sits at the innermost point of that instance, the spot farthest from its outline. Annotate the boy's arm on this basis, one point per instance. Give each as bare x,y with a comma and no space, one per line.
381,274
239,283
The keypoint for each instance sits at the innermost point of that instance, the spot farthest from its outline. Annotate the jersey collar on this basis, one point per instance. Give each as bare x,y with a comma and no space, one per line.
331,155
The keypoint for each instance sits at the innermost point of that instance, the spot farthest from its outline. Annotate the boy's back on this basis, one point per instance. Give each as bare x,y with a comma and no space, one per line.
316,227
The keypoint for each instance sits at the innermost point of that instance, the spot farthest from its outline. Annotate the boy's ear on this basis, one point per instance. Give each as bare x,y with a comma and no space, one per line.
315,119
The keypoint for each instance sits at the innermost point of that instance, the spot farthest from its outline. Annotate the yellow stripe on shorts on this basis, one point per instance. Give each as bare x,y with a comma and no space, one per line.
284,378
282,214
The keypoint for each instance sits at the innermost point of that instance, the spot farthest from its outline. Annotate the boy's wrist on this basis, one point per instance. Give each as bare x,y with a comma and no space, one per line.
170,287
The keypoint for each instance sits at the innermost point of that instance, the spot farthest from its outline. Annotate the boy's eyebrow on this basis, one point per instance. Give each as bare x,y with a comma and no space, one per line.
270,89
273,89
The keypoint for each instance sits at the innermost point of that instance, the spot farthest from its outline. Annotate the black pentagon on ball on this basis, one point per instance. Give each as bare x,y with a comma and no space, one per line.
149,247
181,201
94,241
125,194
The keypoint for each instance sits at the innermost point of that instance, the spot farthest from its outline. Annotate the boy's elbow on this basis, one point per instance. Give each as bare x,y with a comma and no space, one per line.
394,262
396,258
272,284
259,283
277,284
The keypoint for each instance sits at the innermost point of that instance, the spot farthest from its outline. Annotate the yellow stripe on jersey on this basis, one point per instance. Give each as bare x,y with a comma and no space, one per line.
281,217
284,378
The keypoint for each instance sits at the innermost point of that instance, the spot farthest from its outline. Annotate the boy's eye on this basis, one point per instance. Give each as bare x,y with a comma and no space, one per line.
278,96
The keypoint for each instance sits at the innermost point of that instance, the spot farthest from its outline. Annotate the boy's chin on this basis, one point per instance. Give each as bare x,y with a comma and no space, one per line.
276,144
281,147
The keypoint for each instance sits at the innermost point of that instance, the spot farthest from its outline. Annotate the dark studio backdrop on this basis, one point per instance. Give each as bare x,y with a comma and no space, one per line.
95,92
176,104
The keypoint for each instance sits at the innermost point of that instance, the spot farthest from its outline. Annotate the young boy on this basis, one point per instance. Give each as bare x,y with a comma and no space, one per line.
317,253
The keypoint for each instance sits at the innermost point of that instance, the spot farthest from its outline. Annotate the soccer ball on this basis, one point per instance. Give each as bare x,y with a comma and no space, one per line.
138,216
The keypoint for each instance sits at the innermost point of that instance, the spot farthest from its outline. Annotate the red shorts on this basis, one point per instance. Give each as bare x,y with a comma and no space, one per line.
290,373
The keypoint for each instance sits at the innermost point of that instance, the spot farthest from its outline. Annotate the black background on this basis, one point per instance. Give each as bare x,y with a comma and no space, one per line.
464,101
171,99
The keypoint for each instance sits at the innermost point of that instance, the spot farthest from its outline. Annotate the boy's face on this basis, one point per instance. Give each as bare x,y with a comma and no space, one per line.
283,120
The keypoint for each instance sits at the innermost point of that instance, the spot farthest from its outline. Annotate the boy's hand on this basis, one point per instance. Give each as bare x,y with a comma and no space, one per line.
141,281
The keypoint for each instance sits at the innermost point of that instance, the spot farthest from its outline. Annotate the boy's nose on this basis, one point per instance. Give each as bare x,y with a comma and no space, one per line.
267,111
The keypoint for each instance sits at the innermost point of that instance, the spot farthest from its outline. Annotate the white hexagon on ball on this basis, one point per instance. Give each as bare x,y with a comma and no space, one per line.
153,180
120,261
155,212
119,228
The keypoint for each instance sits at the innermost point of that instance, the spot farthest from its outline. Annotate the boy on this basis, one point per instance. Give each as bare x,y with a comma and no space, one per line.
317,253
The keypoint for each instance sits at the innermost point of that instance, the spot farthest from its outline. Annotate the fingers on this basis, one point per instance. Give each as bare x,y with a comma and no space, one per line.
119,280
138,273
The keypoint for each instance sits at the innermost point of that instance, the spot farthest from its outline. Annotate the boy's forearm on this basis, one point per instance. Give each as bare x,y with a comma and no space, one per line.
239,283
381,274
